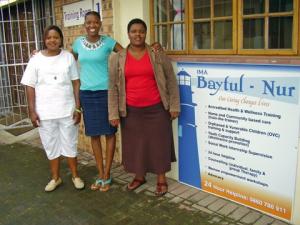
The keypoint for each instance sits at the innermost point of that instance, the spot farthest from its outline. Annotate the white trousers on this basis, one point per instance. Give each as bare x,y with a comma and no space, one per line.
59,137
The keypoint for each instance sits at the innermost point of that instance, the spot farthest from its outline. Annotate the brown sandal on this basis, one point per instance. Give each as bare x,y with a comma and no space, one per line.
161,189
135,184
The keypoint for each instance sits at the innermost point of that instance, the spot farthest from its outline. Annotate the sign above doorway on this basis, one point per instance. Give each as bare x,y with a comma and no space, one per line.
73,14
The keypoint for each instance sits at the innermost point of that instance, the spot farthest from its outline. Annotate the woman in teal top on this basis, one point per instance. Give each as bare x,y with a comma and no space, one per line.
92,52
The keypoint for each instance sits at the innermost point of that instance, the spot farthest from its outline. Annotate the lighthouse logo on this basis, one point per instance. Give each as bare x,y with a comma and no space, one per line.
189,168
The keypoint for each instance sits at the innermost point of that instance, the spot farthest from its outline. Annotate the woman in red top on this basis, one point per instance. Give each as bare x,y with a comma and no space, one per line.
147,139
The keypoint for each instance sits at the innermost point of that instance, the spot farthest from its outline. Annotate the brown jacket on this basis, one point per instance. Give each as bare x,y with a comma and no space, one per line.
164,76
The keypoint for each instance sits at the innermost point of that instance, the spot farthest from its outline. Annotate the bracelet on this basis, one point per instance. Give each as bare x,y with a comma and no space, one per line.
78,110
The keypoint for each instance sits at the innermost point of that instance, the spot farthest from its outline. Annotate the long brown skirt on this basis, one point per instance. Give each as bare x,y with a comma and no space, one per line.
147,140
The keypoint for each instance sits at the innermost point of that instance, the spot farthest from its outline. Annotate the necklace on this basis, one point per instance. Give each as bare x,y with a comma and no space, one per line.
92,46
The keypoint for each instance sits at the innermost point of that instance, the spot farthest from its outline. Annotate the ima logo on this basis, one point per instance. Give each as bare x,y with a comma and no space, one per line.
202,72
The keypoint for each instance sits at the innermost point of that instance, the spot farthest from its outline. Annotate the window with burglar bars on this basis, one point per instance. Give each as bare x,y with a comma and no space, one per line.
256,27
21,31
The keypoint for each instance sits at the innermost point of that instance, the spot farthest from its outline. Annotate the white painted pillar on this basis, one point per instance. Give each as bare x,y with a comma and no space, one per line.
123,12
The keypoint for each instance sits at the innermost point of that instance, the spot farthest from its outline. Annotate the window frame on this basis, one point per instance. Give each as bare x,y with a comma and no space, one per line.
212,19
237,31
266,16
153,24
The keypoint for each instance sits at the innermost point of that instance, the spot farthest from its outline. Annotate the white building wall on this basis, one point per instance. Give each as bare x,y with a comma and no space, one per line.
124,11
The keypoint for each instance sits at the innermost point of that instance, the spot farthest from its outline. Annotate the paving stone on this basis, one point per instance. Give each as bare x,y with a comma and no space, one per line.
228,208
215,206
189,192
251,217
182,206
169,195
208,200
120,181
187,202
215,219
119,168
264,220
151,179
128,179
86,154
116,174
151,188
124,176
141,188
176,199
92,163
180,189
171,181
115,165
84,162
278,222
149,193
240,212
203,209
173,186
198,196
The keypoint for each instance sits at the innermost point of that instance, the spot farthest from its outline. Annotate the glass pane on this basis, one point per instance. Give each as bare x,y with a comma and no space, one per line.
5,14
160,11
177,36
177,10
281,6
222,8
18,53
32,47
202,35
7,37
29,13
14,31
253,6
161,35
26,52
223,35
19,73
201,9
30,30
2,54
23,27
280,32
253,33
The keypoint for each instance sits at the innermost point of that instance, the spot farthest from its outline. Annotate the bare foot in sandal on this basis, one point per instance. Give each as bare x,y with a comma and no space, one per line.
137,182
97,184
161,189
105,185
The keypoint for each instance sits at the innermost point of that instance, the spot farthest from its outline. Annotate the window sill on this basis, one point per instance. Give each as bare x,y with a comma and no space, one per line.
292,60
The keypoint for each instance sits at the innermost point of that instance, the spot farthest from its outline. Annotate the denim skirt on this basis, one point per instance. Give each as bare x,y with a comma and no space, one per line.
95,113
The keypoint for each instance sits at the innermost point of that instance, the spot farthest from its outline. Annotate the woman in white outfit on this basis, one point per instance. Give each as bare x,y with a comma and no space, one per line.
52,87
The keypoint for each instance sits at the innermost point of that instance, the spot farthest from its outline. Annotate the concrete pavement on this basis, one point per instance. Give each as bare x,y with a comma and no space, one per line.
24,172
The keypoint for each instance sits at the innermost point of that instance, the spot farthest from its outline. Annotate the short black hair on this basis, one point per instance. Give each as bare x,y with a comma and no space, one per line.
94,13
58,30
136,21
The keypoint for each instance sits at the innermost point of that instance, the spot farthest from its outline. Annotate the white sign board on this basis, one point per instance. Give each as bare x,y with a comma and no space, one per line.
73,14
238,132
